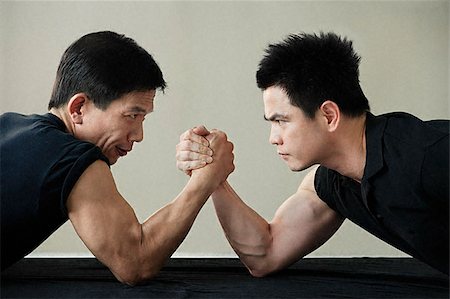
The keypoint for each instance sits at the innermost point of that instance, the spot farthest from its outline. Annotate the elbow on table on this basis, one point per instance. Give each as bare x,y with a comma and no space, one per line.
257,273
135,275
262,268
260,272
258,259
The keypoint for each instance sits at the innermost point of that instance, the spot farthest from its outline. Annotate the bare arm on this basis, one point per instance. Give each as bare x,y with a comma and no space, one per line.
301,224
108,226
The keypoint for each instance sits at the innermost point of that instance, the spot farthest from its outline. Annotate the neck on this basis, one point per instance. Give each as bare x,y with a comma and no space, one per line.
349,158
60,113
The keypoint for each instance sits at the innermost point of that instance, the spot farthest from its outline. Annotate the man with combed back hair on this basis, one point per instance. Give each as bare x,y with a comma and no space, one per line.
56,166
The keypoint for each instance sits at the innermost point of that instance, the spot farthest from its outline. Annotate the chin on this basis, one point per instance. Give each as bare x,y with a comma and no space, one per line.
294,168
297,168
112,161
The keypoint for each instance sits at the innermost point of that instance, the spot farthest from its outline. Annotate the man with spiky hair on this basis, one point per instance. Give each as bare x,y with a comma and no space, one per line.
388,174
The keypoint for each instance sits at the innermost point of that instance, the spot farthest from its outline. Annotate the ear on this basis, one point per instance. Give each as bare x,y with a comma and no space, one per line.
331,114
76,107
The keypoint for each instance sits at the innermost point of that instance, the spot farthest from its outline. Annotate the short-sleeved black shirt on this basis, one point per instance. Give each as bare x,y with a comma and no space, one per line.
403,197
39,165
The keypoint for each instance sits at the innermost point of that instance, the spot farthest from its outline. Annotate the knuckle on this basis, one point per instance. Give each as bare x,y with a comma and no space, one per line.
191,155
188,144
184,135
187,134
182,145
184,156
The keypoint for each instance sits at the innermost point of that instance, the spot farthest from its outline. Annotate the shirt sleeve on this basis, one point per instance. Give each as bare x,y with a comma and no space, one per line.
63,175
324,185
76,170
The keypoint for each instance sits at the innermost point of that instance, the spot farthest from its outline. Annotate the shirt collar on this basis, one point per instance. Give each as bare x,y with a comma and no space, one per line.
375,126
55,120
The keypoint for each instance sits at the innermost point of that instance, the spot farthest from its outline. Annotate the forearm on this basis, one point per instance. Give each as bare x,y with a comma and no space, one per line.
110,229
163,232
166,229
248,233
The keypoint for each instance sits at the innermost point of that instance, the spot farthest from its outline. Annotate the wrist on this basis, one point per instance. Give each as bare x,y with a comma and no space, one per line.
200,184
221,191
222,187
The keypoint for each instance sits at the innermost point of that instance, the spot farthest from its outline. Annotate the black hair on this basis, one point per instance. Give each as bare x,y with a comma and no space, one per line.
104,65
314,68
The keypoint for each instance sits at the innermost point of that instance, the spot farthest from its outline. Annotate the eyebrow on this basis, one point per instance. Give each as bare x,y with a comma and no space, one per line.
138,109
275,117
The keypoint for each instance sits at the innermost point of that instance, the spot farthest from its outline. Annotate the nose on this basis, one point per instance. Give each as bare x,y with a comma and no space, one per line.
137,135
275,137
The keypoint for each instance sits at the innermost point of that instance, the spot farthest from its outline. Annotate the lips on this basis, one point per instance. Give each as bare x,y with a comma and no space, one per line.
283,156
122,152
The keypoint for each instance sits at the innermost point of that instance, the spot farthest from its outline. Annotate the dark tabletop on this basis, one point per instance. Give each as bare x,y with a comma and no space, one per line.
228,278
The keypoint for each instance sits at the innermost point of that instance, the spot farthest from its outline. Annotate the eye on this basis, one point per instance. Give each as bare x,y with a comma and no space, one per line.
133,116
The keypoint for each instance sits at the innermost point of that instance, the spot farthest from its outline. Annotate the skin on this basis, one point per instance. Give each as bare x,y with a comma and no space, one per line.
106,223
303,222
114,130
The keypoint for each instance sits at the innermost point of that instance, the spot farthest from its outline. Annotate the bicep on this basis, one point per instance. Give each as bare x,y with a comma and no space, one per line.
302,224
101,217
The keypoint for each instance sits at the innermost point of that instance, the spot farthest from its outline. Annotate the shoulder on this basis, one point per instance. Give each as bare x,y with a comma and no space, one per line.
308,181
320,181
34,132
325,179
13,120
96,175
305,202
331,187
95,185
408,129
408,139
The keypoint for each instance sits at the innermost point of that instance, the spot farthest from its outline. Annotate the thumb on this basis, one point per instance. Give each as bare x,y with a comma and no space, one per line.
200,130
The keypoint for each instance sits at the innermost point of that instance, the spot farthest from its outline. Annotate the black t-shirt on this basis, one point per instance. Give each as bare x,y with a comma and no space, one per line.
403,197
39,165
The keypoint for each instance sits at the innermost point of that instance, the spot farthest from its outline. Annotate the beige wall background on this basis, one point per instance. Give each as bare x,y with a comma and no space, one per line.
209,51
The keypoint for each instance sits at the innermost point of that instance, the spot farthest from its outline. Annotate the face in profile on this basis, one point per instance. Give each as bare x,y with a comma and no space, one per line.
298,138
116,129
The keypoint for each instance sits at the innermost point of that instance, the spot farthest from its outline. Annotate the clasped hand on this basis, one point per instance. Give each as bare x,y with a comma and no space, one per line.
207,154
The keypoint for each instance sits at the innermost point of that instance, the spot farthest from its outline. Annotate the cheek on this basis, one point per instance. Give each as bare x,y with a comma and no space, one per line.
296,139
303,143
115,129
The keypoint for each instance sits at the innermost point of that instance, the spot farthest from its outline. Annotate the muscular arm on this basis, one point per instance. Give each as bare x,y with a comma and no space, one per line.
301,224
108,226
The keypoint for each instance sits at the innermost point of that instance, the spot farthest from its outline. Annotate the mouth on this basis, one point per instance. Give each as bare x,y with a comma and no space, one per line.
283,156
122,152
